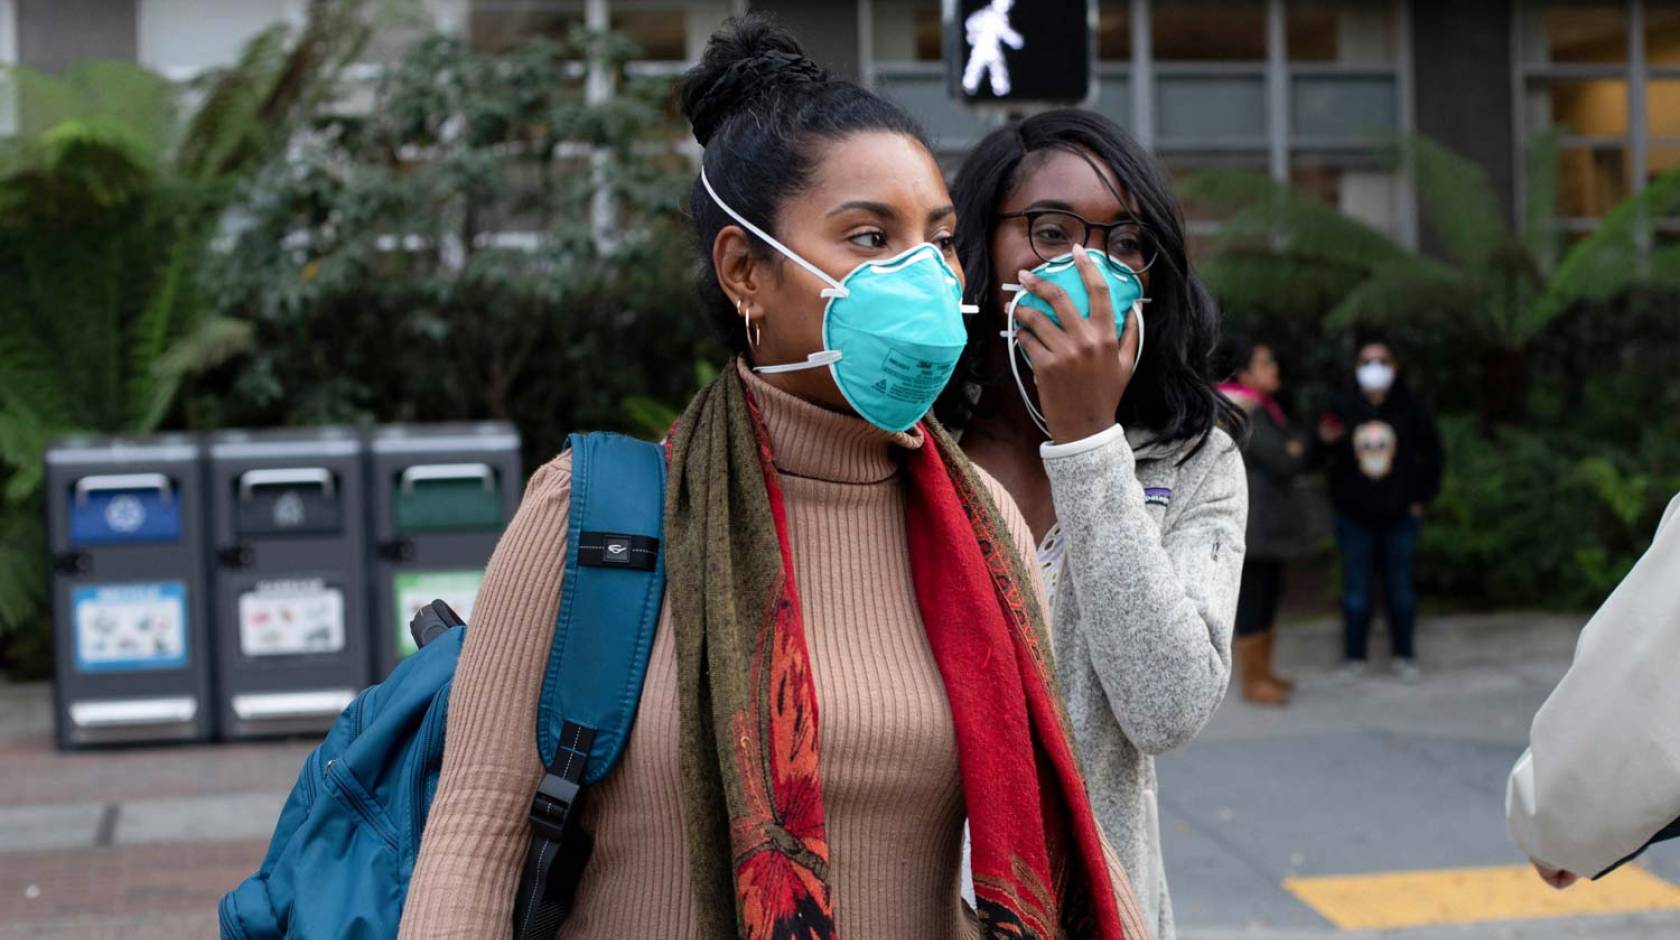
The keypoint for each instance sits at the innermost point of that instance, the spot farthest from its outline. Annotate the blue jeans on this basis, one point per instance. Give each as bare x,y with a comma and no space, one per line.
1370,553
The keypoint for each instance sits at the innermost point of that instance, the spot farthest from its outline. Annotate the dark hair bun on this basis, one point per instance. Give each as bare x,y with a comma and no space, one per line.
750,59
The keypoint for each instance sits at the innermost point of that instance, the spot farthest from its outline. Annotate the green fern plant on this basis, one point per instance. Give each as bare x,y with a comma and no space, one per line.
1497,286
110,198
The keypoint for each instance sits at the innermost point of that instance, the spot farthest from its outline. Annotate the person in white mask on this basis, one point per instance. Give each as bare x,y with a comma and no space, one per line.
1385,469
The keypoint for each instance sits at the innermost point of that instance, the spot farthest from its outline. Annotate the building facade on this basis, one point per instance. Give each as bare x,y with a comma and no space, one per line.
1298,89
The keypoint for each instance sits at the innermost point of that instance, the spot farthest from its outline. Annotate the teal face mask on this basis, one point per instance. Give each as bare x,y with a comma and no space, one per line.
892,329
1125,291
1124,288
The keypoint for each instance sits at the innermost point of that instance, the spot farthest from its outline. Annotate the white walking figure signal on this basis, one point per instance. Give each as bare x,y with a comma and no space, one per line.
988,31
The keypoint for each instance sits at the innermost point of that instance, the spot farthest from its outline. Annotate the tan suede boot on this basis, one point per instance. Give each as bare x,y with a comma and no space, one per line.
1257,687
1267,651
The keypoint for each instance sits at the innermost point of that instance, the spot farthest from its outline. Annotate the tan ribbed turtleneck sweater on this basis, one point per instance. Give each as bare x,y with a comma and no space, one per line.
889,762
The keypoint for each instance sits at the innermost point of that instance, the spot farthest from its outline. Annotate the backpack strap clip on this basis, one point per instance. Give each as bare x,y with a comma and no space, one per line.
614,582
556,799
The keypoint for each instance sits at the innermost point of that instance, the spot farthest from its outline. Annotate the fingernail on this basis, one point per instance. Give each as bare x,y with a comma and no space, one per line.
1025,276
1079,250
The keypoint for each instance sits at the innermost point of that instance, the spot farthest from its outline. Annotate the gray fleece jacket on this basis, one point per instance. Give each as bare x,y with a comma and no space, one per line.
1145,598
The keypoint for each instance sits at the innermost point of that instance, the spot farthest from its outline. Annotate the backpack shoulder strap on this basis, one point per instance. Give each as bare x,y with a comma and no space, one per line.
613,587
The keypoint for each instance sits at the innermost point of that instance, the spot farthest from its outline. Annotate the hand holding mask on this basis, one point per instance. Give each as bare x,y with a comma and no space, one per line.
1078,320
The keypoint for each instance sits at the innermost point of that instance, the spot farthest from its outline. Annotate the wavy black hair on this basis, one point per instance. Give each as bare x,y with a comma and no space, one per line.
1172,393
761,108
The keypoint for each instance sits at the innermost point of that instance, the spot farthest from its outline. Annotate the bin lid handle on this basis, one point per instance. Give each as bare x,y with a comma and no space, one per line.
285,476
113,482
432,472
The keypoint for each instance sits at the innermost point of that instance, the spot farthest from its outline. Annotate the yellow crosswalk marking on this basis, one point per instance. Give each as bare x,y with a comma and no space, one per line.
1474,895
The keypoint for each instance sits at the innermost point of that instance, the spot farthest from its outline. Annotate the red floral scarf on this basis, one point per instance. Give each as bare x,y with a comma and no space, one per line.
751,747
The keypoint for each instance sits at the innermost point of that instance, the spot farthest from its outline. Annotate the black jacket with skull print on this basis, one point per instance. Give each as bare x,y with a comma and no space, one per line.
1388,458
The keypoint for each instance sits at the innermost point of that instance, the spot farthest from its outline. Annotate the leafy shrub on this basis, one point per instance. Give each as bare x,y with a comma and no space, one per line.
398,295
1532,519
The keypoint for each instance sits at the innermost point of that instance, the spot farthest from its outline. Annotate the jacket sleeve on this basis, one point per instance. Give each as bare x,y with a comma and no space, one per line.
1268,451
1155,609
1602,772
478,827
1431,461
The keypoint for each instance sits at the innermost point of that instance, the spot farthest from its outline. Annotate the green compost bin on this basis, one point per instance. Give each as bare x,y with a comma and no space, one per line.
451,497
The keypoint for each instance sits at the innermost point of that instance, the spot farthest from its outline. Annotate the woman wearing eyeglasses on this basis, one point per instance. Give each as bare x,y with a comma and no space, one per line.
1385,470
1107,431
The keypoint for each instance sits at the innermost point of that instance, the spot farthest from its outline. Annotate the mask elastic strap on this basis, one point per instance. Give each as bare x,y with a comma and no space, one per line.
815,360
834,289
1013,335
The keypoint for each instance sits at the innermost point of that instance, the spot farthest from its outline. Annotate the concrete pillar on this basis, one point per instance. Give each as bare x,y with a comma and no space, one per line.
1462,79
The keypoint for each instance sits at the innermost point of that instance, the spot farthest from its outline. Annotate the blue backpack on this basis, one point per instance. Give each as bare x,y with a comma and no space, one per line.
339,863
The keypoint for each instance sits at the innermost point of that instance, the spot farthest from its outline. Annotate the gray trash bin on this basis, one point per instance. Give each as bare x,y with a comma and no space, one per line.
289,517
125,526
441,496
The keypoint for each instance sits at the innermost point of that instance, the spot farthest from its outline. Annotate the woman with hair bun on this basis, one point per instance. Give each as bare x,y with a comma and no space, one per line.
852,657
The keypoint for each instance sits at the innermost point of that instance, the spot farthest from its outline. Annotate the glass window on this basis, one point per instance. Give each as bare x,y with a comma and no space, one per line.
497,27
1371,195
181,34
1114,31
1591,107
1344,31
1114,98
1209,30
1660,159
930,35
907,30
1202,223
1342,106
1576,34
1662,108
1662,35
1210,108
1591,181
662,35
923,94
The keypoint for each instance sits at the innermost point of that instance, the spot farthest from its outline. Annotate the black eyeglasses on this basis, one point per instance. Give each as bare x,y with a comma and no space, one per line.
1054,232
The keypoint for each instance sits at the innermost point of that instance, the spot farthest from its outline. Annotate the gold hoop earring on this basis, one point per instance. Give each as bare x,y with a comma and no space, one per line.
754,333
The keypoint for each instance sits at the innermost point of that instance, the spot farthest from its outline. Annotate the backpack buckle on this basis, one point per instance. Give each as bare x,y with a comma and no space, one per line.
551,808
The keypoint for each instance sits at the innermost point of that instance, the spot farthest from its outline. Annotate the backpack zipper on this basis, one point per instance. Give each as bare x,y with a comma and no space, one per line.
356,797
311,769
432,727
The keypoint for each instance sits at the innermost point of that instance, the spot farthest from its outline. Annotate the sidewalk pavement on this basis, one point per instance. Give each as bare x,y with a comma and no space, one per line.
1353,779
137,843
1380,803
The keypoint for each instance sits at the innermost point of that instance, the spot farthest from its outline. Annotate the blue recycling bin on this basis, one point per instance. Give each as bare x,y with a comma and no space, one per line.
125,531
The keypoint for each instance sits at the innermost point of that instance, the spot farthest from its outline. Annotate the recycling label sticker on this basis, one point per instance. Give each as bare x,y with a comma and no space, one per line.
125,514
291,618
130,626
414,590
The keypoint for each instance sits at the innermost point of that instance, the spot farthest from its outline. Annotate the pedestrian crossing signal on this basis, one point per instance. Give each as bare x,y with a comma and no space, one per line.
1020,51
